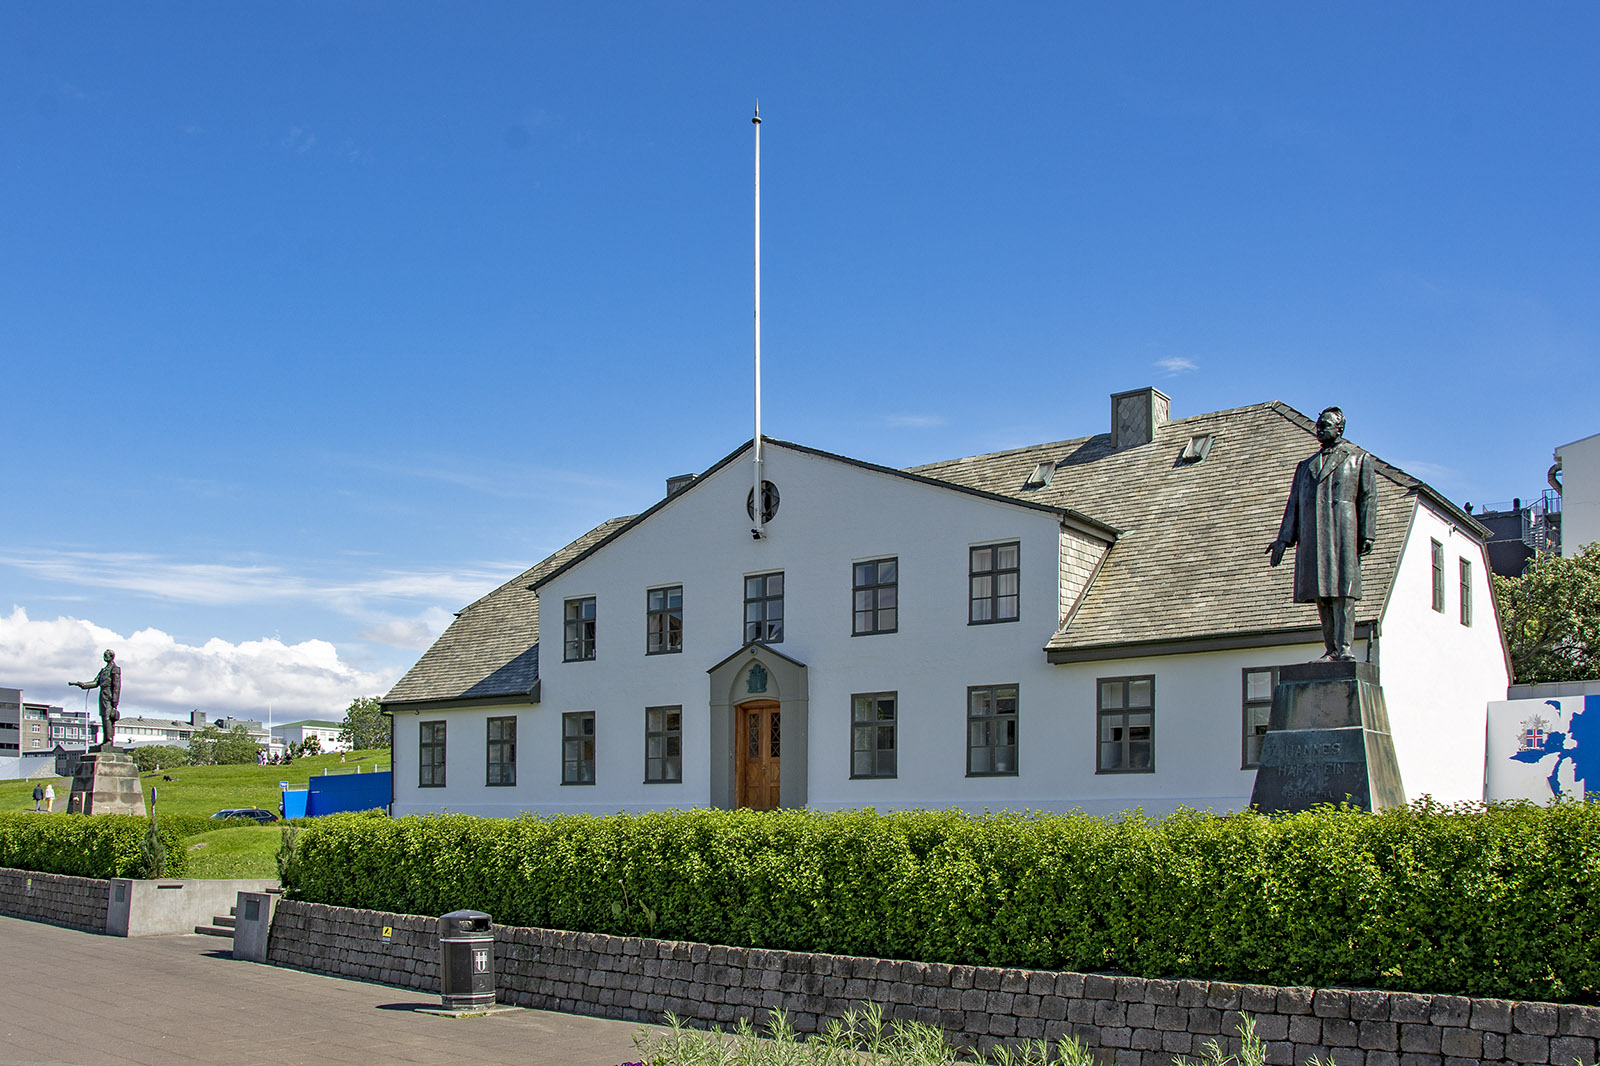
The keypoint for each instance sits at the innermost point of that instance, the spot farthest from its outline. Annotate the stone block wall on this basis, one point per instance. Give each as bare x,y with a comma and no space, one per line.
75,902
1128,1021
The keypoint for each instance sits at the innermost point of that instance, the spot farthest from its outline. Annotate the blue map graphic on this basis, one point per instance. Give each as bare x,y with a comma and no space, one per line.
1577,745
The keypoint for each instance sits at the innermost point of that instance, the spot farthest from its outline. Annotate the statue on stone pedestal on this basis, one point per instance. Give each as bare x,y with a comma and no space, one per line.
1329,523
109,682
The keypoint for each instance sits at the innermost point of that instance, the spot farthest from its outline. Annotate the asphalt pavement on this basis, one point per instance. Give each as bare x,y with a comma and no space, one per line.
81,999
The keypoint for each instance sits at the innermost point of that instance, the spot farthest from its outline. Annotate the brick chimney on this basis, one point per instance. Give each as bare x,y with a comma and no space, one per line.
1136,415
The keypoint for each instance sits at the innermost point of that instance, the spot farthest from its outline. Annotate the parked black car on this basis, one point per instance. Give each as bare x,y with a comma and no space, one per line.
256,813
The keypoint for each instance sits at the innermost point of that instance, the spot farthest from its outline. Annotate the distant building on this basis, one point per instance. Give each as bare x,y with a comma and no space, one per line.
327,734
1578,465
1518,531
138,731
10,721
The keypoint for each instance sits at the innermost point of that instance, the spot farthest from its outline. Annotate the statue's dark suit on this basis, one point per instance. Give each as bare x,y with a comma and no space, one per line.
1329,516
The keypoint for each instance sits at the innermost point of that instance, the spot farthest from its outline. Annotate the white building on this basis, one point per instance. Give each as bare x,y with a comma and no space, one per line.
1580,493
327,734
1085,624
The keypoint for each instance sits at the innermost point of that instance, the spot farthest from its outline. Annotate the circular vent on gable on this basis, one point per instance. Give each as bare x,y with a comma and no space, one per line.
769,502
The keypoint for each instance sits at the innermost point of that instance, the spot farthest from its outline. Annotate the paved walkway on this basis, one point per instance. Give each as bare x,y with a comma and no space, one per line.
87,1000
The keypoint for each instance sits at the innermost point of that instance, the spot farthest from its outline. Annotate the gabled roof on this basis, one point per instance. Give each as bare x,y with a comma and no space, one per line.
492,647
1191,563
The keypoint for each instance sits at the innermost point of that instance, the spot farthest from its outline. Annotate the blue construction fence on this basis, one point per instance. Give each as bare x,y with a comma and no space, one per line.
338,792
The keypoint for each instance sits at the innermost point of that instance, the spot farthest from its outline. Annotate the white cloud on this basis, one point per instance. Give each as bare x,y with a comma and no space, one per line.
1429,472
299,141
414,634
165,678
1176,364
915,421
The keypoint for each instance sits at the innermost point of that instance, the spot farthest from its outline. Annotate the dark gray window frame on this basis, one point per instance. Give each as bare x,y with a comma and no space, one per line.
578,631
1437,551
993,573
1247,705
568,738
667,735
994,720
874,590
874,728
1466,591
431,753
764,623
502,746
1101,713
664,615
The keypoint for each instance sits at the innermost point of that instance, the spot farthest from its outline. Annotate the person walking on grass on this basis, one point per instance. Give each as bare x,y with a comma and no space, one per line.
50,798
38,794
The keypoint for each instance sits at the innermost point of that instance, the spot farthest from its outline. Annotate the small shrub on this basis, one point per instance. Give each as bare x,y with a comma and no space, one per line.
77,845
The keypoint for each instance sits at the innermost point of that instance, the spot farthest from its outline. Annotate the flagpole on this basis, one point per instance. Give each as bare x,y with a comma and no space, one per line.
760,529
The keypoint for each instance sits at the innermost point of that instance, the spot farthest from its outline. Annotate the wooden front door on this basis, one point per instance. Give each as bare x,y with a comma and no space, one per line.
757,737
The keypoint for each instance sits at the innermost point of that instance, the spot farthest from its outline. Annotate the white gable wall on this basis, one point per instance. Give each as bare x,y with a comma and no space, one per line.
1438,675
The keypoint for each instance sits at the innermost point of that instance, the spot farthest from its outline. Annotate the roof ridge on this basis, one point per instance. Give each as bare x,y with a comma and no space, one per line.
530,573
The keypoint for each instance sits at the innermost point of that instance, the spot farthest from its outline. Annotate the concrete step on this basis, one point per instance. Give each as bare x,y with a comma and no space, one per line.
228,922
214,930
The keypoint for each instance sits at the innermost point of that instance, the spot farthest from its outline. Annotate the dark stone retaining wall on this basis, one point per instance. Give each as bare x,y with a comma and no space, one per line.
1129,1021
75,902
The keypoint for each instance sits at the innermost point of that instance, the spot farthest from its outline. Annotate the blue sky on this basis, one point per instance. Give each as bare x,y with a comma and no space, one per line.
320,320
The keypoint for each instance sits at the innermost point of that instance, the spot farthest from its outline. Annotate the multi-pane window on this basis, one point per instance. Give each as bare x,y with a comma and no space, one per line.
872,741
992,580
664,620
877,596
579,643
577,748
1258,685
430,755
502,752
1438,576
1127,721
992,730
663,744
763,608
1466,592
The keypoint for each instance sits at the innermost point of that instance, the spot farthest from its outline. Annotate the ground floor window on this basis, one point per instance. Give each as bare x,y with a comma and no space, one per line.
663,745
502,755
577,748
430,755
872,734
992,730
1259,681
1127,719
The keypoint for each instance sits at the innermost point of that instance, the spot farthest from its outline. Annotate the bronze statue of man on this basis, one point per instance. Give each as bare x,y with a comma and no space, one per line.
109,682
1329,523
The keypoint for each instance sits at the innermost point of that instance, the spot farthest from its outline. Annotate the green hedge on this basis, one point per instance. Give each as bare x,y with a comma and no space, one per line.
96,845
1501,900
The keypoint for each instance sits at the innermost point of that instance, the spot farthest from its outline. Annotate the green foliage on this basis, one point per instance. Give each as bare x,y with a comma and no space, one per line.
168,756
152,852
96,845
1551,617
286,850
1497,901
211,745
860,1038
365,724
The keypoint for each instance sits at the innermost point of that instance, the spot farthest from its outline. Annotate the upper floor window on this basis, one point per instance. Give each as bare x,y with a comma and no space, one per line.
664,620
579,644
502,752
430,755
992,730
993,577
1127,721
1438,575
877,596
577,748
763,608
1466,592
1258,685
872,734
663,745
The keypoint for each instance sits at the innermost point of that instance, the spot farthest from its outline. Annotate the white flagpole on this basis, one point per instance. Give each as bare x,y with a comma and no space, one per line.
760,528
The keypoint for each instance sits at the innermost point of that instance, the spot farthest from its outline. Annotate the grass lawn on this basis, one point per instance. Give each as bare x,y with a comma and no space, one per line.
204,790
246,851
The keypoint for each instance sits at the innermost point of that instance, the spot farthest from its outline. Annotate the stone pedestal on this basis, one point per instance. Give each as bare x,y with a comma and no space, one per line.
1328,741
106,782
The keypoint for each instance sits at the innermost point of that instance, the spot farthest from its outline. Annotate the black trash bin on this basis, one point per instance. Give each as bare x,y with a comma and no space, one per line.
466,960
